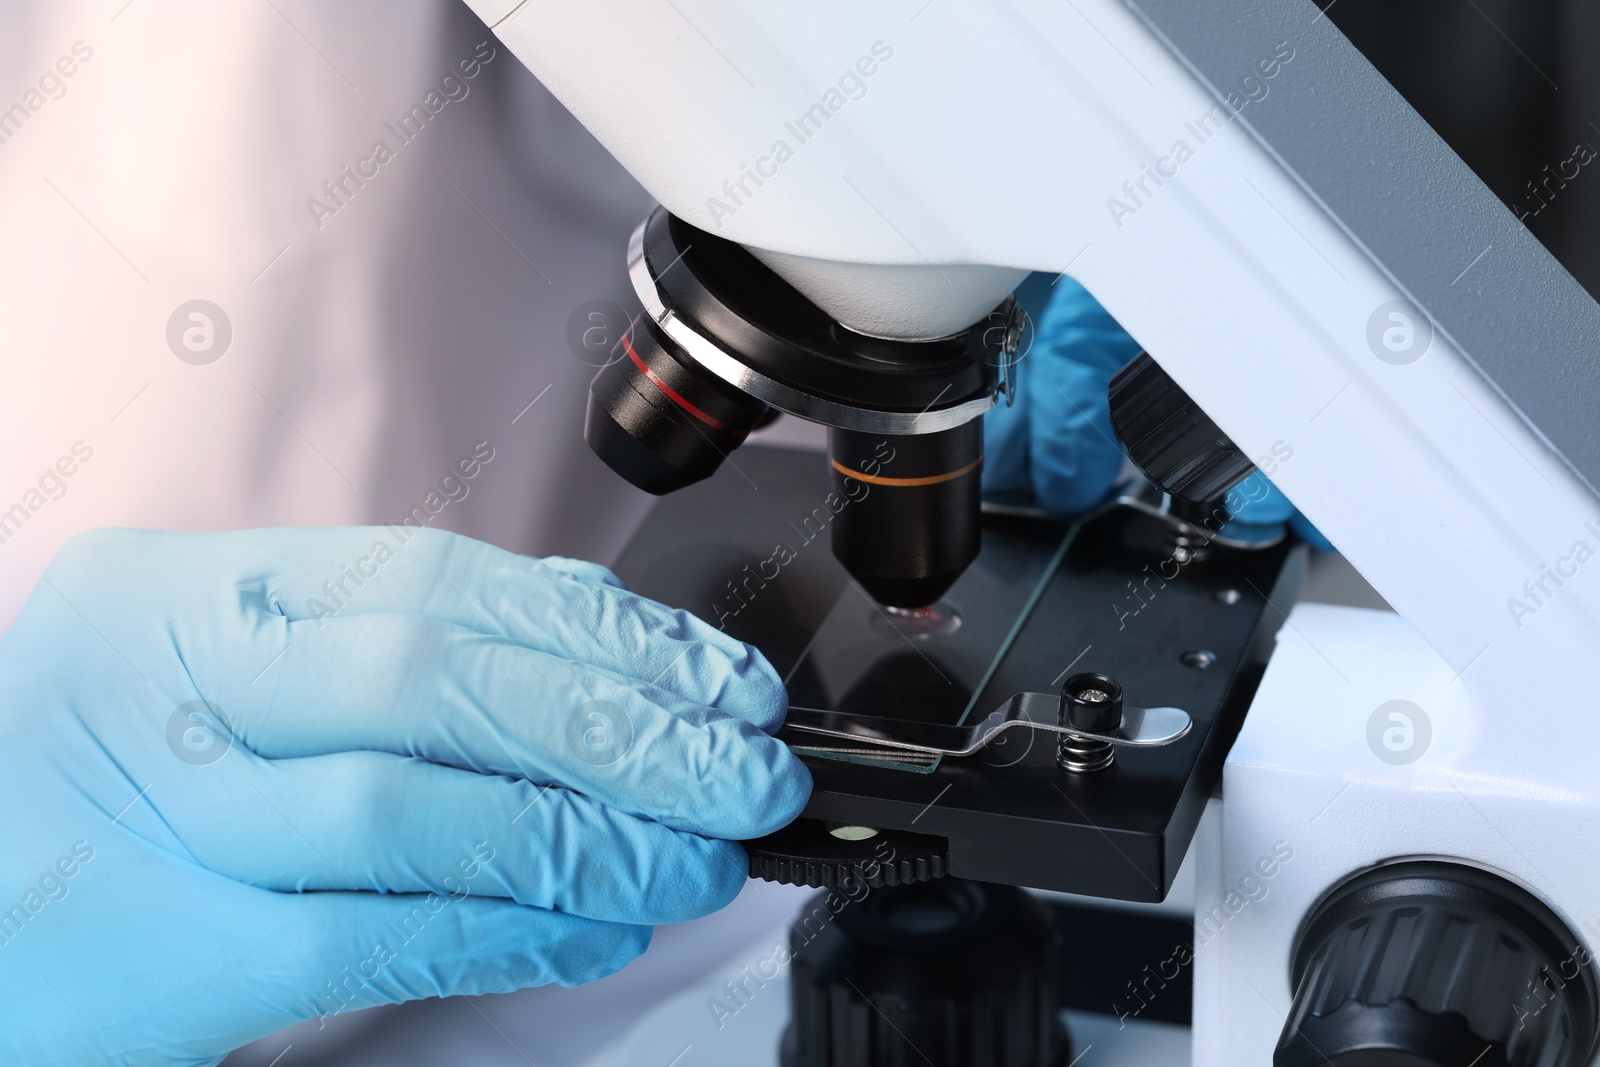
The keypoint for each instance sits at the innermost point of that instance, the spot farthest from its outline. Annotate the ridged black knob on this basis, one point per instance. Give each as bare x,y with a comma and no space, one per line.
1168,437
947,973
811,852
1428,963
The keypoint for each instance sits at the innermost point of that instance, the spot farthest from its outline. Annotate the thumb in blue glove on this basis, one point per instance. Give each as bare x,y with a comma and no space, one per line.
1257,502
263,776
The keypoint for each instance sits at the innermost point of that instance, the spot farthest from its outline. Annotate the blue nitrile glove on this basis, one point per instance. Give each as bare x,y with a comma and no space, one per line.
251,778
1257,502
1055,443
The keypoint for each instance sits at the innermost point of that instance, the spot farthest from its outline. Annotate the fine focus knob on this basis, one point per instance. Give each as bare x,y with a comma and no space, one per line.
1168,437
1420,964
948,973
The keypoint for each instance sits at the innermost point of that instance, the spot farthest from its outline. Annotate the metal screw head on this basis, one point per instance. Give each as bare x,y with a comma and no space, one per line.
1011,322
1091,702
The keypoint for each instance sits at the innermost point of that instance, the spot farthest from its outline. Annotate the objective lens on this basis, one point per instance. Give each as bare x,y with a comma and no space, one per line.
659,420
911,526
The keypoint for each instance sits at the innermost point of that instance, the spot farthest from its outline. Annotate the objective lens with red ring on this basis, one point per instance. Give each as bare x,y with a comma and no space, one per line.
660,421
904,417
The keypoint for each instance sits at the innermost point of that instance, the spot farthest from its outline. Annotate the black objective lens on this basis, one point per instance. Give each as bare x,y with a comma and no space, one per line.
659,420
911,526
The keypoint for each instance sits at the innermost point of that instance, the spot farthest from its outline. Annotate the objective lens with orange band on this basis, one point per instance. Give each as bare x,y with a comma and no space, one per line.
911,525
716,343
906,483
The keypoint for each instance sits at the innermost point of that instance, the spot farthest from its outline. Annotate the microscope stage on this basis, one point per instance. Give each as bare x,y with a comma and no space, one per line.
747,549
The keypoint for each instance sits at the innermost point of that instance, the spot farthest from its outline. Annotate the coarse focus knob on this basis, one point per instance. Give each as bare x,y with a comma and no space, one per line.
948,973
1420,964
1168,437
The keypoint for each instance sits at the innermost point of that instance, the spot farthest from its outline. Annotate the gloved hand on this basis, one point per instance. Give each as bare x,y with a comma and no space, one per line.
251,778
1055,443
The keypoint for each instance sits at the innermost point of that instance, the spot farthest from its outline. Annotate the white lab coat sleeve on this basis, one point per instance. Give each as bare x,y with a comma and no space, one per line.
391,223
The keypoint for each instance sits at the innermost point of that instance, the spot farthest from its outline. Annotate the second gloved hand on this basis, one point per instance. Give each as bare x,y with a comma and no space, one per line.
1054,446
253,778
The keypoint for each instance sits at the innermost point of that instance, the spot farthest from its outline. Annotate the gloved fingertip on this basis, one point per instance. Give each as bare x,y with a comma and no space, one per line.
786,789
735,679
1310,534
729,872
769,700
1257,501
691,875
755,785
628,943
630,947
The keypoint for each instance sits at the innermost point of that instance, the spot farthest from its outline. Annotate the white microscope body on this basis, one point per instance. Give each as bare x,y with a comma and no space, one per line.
904,164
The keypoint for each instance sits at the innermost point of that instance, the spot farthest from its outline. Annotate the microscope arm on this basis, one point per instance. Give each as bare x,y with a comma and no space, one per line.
944,148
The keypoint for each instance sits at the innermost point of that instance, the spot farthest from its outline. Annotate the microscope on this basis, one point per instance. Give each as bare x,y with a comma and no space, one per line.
1390,815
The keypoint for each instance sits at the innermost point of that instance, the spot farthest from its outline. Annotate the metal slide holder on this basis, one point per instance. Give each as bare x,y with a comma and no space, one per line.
923,743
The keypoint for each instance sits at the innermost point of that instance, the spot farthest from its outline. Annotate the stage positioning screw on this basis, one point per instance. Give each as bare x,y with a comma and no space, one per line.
1089,702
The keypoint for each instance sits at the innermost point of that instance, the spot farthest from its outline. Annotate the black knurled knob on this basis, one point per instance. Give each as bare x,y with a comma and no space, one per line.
810,852
1168,437
1433,964
948,973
